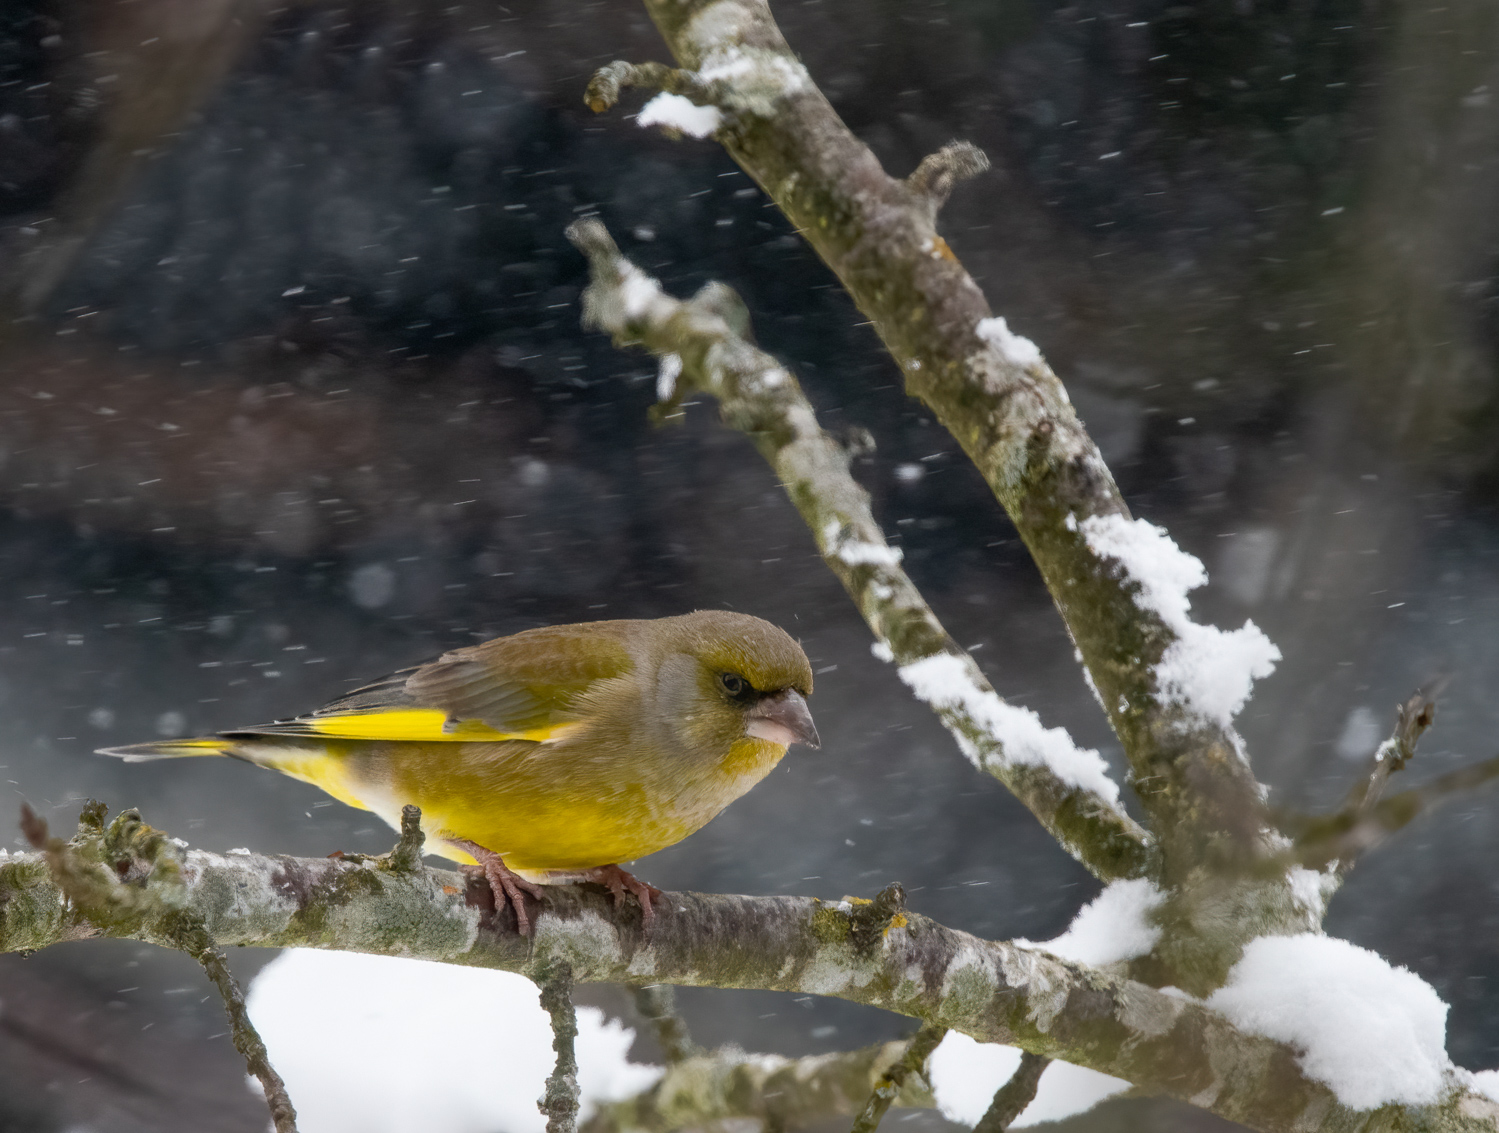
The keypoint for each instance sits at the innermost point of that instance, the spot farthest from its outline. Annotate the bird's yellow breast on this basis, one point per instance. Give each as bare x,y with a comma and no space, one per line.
541,807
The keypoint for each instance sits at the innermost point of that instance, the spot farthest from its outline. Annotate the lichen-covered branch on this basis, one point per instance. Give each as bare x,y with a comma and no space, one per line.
779,1093
866,952
706,341
893,1080
559,1100
247,1039
995,393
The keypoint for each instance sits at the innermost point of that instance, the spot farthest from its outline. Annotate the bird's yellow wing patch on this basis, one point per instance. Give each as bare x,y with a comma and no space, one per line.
413,724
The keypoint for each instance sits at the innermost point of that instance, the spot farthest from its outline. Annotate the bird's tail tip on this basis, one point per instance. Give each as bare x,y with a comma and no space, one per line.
167,749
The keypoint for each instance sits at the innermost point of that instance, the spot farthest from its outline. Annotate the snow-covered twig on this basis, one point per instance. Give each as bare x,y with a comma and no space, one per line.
893,1080
1066,787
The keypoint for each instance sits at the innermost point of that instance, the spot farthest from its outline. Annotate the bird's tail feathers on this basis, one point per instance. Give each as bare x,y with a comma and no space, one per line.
169,749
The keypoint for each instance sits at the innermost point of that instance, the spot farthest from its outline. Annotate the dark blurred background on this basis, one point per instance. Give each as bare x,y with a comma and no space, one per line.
294,393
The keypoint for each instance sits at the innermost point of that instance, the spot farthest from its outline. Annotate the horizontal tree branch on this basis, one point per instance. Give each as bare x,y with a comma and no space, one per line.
706,341
865,952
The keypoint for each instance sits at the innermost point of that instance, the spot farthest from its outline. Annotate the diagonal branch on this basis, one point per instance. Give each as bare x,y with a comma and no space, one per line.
1011,1099
912,1061
658,1004
1067,789
903,962
993,391
247,1039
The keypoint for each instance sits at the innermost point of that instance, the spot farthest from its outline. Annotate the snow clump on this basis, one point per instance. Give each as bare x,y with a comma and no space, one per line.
1113,927
1208,671
1014,348
1373,1033
682,114
945,682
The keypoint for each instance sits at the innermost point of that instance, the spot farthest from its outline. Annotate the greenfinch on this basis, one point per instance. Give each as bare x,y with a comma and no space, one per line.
554,754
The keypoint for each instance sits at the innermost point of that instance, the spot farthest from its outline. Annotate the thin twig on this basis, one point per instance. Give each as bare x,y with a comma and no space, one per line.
917,1052
1364,820
560,1101
1011,1099
247,1039
1347,842
1412,719
658,1003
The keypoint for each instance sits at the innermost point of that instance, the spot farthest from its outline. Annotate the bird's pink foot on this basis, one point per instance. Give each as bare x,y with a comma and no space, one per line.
620,882
508,887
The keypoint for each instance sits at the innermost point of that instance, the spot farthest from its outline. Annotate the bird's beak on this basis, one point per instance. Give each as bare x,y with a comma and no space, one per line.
782,718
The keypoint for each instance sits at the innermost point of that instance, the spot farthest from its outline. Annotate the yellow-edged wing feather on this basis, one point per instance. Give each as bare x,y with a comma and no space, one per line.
514,688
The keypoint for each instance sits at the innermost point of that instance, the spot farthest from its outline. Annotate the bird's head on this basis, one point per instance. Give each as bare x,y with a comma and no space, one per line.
727,676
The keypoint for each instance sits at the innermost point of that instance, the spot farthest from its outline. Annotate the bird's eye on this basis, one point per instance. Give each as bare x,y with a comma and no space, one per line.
733,684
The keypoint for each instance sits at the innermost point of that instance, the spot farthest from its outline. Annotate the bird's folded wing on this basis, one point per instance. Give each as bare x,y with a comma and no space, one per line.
515,688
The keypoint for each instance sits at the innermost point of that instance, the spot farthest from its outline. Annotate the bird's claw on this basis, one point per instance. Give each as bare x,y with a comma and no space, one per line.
619,882
508,887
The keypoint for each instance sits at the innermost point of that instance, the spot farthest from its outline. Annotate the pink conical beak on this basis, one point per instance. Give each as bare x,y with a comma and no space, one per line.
783,718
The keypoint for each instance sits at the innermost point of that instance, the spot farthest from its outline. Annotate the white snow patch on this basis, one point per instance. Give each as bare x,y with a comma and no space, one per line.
763,69
882,651
944,682
856,552
1310,890
1374,1033
678,113
1486,1082
1112,927
637,290
667,375
1015,349
322,1014
1208,671
965,1073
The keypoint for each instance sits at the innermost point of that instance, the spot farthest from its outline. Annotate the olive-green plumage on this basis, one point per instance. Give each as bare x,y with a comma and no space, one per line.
559,749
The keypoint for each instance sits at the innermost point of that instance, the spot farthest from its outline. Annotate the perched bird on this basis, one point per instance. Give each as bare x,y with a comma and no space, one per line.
554,754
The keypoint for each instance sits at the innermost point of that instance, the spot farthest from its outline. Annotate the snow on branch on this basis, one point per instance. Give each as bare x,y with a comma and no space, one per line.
876,953
1067,787
990,387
